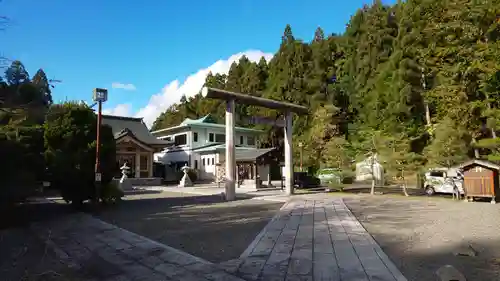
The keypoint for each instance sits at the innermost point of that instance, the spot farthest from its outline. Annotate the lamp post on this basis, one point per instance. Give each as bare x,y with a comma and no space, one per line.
99,96
301,146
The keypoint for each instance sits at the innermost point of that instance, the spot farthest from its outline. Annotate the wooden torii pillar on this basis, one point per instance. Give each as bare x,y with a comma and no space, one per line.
231,98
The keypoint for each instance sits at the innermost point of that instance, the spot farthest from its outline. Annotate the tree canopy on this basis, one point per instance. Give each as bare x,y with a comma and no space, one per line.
424,75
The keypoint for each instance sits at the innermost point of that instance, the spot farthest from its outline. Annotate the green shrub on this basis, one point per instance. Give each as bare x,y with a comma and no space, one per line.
111,193
348,177
192,175
23,170
70,142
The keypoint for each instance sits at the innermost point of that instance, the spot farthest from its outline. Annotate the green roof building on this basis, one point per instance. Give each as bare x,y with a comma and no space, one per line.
200,144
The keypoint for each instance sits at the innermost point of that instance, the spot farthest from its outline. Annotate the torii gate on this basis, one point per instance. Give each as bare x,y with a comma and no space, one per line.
231,98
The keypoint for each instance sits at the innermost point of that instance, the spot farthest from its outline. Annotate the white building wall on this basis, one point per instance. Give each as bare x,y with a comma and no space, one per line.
204,137
207,168
183,153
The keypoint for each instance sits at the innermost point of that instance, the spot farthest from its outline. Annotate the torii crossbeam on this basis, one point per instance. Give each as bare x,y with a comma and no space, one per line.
231,98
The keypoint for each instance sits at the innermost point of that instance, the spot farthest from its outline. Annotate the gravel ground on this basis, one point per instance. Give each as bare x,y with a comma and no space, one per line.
421,234
203,226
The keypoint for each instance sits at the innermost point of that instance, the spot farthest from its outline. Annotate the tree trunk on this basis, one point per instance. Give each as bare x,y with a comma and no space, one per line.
493,133
405,192
476,150
427,114
372,191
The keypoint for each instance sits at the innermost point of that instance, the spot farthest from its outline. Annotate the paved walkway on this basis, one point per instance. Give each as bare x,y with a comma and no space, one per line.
106,252
315,240
307,240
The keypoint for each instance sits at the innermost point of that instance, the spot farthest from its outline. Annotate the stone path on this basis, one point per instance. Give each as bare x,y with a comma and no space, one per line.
314,240
309,239
106,252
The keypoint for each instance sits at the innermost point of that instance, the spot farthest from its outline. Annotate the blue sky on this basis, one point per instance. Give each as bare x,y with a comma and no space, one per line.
152,46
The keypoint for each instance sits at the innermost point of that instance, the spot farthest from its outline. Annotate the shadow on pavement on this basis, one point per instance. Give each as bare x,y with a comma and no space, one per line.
204,226
35,209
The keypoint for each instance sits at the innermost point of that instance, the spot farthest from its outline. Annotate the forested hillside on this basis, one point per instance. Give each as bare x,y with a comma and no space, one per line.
418,83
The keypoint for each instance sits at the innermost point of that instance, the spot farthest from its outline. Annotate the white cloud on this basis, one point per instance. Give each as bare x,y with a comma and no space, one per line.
123,86
119,110
173,91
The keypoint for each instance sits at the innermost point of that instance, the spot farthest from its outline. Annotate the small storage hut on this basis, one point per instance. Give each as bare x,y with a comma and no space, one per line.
481,179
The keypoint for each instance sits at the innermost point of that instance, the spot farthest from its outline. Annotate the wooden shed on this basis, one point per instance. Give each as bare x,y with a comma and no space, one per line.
481,179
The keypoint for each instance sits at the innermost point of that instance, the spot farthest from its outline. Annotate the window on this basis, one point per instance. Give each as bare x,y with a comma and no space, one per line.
241,139
213,161
203,162
251,141
181,139
436,174
211,137
220,138
195,164
195,137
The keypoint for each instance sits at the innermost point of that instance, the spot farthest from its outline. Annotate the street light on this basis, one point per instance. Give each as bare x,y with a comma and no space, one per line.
99,96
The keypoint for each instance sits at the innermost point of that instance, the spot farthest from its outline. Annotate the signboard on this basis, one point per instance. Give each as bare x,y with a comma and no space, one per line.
98,177
100,95
280,122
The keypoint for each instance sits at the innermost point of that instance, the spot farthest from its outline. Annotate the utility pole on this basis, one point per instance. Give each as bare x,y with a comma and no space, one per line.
100,96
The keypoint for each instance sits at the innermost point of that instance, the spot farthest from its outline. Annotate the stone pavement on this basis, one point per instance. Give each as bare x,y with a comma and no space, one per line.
105,252
314,240
311,238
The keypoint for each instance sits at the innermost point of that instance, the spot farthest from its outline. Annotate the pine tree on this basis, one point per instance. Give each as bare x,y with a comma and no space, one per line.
42,83
415,82
319,35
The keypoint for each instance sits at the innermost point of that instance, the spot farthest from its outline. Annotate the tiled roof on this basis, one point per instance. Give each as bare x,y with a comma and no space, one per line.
125,125
206,121
250,154
484,163
242,153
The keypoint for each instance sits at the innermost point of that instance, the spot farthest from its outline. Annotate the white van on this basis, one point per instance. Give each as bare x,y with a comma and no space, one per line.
443,181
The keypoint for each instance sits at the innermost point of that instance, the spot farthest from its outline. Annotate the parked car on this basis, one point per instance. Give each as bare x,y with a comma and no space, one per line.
330,175
303,180
442,181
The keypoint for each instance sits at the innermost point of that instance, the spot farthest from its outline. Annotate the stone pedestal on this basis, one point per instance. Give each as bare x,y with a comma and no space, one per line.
125,184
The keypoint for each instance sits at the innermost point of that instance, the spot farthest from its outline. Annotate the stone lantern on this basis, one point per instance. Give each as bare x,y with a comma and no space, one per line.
125,183
185,181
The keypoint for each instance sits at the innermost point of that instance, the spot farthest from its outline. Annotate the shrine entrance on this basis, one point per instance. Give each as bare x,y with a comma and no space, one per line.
287,108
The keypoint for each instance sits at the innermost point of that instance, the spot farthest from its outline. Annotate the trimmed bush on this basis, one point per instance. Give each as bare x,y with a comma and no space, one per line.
70,151
111,193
